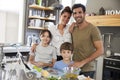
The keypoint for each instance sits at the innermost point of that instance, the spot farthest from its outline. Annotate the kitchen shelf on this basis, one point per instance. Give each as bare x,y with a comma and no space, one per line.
38,28
104,20
40,7
43,18
37,16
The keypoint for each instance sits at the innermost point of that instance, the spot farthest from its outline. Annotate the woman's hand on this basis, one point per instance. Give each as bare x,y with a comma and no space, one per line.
71,28
33,47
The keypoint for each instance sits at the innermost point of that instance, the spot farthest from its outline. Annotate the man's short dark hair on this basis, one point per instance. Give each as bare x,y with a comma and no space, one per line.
79,5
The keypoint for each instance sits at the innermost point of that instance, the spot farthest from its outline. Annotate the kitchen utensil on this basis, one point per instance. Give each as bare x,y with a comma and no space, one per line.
71,72
109,39
108,50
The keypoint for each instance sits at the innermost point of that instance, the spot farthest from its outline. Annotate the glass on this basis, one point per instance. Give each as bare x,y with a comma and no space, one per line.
43,13
71,72
46,24
43,23
34,2
46,3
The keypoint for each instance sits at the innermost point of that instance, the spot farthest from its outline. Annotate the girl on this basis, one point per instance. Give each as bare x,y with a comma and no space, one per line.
44,55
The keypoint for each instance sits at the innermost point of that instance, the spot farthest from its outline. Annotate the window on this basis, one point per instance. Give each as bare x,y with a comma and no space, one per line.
81,1
11,21
71,2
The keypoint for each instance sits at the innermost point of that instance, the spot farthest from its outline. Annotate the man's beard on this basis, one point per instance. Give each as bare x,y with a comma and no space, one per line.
79,20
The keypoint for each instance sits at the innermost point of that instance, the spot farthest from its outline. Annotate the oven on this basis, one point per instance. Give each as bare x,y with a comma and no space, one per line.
111,68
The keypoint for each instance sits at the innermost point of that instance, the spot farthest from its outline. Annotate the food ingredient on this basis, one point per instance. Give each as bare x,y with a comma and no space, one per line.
37,68
45,73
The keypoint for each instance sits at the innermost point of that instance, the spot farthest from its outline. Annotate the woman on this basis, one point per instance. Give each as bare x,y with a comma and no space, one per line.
60,31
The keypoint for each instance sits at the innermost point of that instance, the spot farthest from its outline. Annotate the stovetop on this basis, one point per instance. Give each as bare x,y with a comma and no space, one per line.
114,57
112,62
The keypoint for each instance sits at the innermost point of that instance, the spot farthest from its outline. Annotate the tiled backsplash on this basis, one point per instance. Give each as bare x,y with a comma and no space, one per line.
115,38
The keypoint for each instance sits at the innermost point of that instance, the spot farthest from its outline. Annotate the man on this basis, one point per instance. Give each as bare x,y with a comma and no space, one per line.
86,40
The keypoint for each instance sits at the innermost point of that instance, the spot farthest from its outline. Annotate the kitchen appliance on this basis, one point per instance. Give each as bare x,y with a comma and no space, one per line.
111,67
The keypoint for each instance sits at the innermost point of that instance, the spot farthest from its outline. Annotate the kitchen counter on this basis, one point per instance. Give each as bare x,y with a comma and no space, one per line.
14,49
24,74
8,48
11,51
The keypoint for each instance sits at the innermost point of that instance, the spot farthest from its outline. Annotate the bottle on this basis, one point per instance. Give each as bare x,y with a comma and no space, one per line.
39,2
46,4
101,11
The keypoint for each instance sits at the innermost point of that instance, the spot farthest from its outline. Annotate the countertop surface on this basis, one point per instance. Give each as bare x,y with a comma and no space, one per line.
15,49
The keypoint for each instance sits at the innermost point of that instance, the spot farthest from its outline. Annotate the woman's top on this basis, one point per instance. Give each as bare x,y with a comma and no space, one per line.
58,39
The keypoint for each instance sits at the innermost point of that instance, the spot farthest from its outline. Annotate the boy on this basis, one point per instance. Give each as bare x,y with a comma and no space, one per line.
66,51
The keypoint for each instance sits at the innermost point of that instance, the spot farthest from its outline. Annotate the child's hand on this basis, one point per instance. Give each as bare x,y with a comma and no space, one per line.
71,28
39,64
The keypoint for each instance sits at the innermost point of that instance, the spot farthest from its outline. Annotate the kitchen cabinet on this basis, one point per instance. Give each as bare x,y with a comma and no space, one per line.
104,20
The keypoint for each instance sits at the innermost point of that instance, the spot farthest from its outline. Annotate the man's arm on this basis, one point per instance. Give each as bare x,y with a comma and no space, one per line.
99,51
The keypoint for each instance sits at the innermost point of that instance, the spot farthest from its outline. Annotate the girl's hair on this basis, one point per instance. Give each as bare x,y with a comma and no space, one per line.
66,46
66,9
43,31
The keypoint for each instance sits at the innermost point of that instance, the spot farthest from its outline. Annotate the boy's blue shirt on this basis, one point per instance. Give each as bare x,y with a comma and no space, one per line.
60,65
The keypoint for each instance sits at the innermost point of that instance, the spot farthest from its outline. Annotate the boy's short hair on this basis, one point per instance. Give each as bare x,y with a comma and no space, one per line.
66,46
